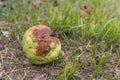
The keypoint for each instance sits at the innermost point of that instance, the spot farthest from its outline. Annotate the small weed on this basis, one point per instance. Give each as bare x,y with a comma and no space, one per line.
68,72
98,65
118,57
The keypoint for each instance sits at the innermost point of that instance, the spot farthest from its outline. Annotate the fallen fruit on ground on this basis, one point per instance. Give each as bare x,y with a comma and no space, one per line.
40,45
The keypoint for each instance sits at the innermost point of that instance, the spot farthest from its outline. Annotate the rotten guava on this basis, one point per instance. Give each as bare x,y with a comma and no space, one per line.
40,45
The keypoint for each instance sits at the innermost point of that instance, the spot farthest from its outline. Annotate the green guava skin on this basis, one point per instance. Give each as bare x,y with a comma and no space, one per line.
30,47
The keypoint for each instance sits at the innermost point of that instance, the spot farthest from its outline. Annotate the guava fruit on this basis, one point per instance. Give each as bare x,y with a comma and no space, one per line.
40,45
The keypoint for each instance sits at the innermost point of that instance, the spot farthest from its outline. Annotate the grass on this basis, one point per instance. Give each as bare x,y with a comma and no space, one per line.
93,39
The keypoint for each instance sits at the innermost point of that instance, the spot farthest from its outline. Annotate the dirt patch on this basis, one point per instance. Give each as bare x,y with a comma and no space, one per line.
15,66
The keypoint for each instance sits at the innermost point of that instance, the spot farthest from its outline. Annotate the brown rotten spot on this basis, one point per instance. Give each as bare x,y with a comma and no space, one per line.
44,37
85,8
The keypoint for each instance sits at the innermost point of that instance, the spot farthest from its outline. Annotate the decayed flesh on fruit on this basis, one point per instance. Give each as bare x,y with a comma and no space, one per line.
44,37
